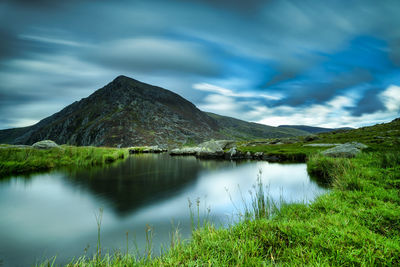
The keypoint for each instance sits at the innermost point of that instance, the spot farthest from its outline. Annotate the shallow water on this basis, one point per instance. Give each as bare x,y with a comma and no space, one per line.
54,213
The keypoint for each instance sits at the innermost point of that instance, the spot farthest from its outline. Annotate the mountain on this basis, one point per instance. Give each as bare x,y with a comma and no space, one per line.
127,112
243,130
312,129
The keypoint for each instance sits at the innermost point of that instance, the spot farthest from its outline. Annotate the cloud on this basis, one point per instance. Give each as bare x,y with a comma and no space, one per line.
154,54
246,7
391,98
49,40
333,114
258,56
8,44
227,106
370,102
307,91
227,92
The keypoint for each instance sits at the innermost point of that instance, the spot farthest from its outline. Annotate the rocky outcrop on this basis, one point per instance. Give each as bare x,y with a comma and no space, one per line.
311,138
45,144
321,145
347,150
209,149
185,151
146,149
226,149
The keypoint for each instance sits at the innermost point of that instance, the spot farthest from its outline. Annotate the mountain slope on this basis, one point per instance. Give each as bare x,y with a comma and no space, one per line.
127,112
243,130
312,129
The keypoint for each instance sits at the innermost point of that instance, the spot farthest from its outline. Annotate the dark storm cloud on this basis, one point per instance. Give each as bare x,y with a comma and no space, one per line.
16,98
154,54
369,103
395,52
8,44
309,52
306,92
241,6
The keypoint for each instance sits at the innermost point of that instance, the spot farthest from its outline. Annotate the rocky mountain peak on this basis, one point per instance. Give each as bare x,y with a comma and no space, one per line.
122,80
127,112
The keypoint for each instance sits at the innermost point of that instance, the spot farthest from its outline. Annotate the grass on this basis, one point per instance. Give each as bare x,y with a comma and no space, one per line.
381,137
14,160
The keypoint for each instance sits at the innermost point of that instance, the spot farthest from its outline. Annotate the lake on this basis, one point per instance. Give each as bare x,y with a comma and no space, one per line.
53,213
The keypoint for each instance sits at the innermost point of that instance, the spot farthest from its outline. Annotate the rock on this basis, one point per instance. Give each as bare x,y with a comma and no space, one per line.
248,155
358,145
347,150
146,149
290,141
227,144
214,144
321,145
270,158
258,155
45,144
209,149
310,138
232,152
185,151
257,143
275,141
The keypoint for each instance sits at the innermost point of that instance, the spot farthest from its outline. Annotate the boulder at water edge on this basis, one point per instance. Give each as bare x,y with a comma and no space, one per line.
347,150
45,144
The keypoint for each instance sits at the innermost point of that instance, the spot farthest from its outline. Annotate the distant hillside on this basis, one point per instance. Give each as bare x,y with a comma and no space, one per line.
127,112
243,130
383,136
312,129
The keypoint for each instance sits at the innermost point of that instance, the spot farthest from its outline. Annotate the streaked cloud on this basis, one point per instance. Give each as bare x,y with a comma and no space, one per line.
333,63
49,40
391,98
154,54
227,92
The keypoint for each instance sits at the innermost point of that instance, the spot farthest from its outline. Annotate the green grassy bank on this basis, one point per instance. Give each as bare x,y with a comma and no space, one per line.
15,160
381,137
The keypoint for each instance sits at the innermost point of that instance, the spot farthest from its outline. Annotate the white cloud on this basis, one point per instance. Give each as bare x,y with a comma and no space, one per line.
391,98
332,114
219,103
228,92
22,122
50,40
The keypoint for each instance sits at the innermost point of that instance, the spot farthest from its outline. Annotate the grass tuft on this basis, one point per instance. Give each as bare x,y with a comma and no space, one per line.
14,160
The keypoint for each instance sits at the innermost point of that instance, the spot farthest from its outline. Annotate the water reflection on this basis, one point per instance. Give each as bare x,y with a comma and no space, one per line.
142,179
53,213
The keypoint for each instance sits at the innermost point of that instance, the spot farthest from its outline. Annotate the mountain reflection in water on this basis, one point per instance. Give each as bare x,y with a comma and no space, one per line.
53,213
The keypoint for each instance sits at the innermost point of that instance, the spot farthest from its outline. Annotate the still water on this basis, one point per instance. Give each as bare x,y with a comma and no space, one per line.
53,214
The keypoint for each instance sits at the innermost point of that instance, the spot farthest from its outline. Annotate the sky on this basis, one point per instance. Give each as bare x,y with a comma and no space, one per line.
311,62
